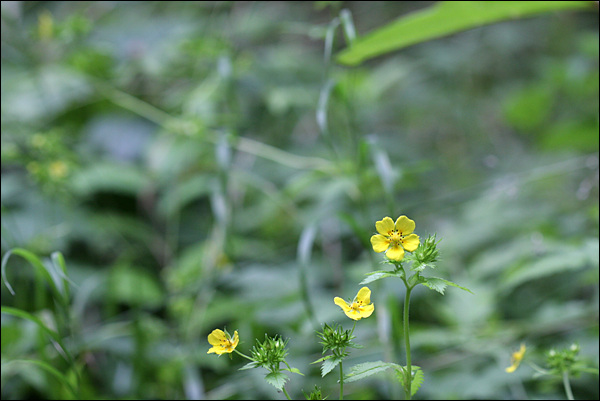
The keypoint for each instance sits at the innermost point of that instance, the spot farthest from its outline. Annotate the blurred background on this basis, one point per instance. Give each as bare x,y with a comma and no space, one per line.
205,165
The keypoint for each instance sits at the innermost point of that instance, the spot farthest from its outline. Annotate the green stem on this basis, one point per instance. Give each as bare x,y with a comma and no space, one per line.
407,387
286,394
341,382
567,385
244,355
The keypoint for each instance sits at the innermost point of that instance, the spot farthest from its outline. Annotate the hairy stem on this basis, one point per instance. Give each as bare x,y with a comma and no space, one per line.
341,382
407,387
567,384
286,394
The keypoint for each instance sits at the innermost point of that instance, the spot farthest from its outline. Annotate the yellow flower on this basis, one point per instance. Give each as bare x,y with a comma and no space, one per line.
516,359
221,342
360,307
394,238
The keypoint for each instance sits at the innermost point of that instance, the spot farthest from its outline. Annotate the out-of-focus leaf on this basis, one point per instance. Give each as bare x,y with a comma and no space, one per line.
446,18
134,287
111,177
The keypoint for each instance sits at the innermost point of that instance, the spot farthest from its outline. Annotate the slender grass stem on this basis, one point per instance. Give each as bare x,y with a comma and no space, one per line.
567,384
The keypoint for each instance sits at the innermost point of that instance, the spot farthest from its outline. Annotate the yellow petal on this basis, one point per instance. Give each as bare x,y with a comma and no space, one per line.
395,253
236,339
404,225
367,310
385,226
411,242
342,304
364,296
511,368
216,337
520,353
380,243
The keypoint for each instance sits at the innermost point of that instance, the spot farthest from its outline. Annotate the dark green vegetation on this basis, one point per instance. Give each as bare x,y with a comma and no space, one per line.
204,165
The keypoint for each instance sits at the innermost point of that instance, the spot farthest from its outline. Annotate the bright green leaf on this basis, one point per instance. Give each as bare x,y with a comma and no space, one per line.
446,18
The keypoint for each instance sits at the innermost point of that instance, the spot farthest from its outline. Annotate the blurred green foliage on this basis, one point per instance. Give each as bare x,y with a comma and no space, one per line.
207,164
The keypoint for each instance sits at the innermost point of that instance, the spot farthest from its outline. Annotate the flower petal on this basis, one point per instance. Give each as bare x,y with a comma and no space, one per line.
395,253
404,225
236,339
364,296
342,304
385,226
367,310
379,242
410,242
216,337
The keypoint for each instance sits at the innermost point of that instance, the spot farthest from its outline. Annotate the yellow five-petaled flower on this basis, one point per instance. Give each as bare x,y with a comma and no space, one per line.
516,359
394,238
221,342
360,307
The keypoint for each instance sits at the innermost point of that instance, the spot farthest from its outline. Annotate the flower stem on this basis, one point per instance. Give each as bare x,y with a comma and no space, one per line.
341,382
567,385
407,386
244,355
286,394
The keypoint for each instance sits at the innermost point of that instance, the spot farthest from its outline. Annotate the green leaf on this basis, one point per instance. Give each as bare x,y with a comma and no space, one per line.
277,379
249,365
446,18
440,284
417,380
362,370
435,284
45,366
376,275
40,268
55,337
329,364
294,370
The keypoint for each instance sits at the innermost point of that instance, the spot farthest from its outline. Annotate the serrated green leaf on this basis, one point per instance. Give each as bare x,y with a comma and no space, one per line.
373,276
417,380
249,365
439,284
295,370
277,379
367,369
329,364
435,284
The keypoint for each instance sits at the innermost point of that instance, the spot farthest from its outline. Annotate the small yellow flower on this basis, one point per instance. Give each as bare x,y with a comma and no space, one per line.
221,342
361,306
516,359
394,238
